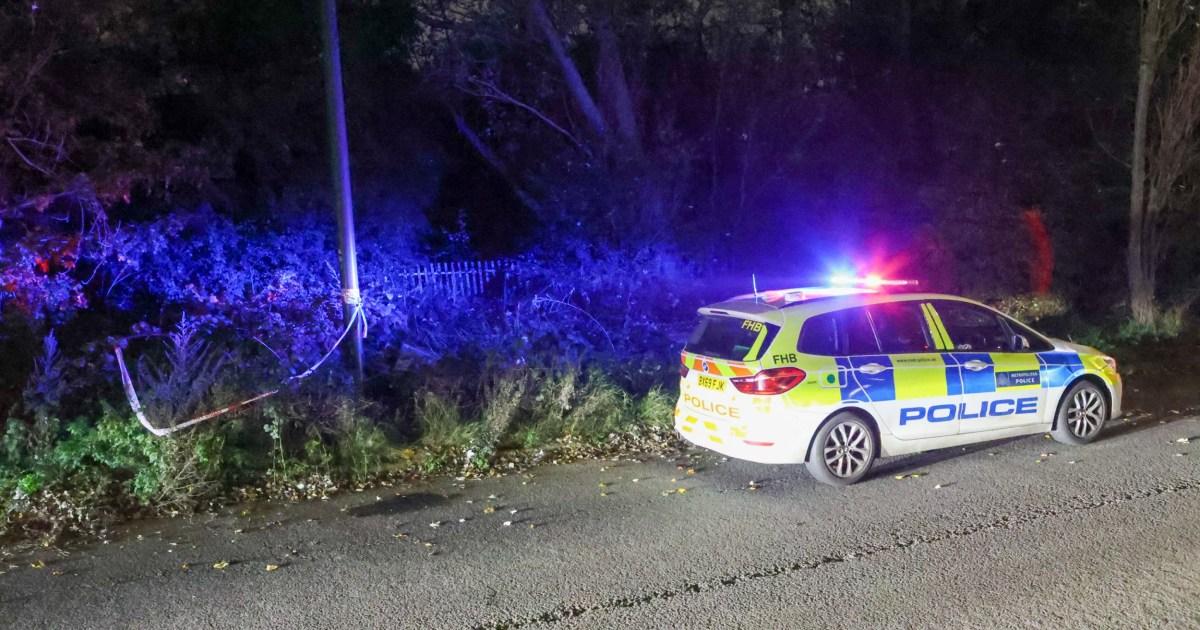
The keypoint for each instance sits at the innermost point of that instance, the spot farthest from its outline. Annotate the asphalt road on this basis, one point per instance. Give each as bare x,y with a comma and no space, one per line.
1023,533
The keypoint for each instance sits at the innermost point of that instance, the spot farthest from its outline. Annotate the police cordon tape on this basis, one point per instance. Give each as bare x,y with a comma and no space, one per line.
136,405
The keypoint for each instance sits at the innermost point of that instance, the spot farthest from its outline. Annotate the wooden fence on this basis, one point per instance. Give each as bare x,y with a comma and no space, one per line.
454,279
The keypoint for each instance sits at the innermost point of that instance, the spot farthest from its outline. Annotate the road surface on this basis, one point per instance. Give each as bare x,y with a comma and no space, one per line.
1022,533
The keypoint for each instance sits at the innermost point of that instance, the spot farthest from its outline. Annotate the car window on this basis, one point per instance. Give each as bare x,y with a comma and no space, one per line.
1037,343
731,338
846,332
859,337
974,329
900,327
819,335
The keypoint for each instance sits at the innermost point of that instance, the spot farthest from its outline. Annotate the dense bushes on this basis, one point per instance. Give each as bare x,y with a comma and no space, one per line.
567,347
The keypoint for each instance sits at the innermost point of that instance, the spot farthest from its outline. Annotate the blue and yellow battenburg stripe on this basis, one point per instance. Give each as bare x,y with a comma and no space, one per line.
936,375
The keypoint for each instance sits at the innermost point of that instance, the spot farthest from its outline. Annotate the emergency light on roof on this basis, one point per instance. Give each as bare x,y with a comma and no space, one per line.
791,296
871,281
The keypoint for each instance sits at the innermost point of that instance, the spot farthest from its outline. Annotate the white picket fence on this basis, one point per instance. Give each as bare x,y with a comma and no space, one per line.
453,279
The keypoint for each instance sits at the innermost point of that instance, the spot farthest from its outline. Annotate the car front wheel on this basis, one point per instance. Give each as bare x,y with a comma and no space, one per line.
1081,415
842,451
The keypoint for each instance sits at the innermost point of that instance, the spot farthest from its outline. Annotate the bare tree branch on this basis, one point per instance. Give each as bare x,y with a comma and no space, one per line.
489,90
24,158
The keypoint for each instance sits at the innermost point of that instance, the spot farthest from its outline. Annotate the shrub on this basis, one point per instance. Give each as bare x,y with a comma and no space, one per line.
656,409
363,451
601,408
1031,308
1167,324
170,475
102,468
185,378
571,405
443,428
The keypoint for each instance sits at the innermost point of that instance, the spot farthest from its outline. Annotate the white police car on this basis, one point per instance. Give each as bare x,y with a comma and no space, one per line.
836,377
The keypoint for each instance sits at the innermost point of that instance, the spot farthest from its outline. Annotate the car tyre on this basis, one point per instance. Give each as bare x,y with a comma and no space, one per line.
842,450
1081,414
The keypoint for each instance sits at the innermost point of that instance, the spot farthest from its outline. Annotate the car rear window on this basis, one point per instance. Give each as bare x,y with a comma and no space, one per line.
731,338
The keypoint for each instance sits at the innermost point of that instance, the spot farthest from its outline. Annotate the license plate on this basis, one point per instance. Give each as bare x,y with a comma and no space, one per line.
715,384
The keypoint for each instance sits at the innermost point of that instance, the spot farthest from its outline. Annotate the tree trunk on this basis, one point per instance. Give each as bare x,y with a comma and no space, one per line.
579,92
614,88
1138,266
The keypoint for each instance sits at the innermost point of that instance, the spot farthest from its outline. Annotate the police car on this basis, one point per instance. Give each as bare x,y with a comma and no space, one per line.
835,377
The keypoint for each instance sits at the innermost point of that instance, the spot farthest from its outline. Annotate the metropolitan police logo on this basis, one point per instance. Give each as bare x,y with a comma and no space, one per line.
704,366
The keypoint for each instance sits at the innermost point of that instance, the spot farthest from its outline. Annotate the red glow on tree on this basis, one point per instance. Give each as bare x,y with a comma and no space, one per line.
1041,261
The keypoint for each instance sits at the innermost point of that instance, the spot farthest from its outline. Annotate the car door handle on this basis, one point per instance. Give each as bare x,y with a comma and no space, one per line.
872,368
975,365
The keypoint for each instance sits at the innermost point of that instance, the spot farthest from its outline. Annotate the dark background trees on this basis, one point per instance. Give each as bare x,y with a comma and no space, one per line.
742,133
777,137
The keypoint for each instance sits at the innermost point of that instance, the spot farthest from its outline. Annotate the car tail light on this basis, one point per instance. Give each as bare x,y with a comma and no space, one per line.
683,371
768,382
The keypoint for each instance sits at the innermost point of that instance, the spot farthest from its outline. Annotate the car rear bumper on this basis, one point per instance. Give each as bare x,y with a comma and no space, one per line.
762,440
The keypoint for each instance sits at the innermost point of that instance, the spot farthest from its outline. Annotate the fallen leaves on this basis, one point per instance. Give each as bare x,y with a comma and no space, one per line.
221,566
272,567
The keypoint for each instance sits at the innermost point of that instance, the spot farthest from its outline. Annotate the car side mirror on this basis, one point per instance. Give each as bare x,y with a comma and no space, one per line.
1020,342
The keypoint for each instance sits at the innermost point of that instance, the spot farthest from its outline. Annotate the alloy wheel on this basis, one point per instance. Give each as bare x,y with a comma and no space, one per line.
1085,413
848,449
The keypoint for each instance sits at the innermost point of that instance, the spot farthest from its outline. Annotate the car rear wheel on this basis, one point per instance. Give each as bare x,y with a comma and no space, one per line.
842,451
1081,415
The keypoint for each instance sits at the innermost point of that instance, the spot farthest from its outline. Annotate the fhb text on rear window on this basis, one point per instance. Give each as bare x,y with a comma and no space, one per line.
731,338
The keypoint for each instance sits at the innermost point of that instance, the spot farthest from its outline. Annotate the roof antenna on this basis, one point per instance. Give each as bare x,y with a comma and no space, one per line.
754,284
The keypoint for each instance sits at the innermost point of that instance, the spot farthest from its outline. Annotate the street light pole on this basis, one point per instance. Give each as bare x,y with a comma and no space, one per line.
339,159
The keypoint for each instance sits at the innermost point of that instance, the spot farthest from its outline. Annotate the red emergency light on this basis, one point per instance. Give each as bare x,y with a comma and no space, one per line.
870,281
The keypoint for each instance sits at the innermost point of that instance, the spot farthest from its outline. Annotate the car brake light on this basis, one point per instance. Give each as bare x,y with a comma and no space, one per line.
768,382
683,371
